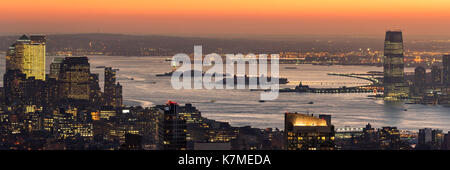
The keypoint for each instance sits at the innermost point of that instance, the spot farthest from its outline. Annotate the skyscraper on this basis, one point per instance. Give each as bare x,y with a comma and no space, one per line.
25,72
113,91
446,69
172,128
55,67
424,136
28,56
429,139
110,80
74,77
37,65
394,85
14,84
446,142
436,75
95,93
420,80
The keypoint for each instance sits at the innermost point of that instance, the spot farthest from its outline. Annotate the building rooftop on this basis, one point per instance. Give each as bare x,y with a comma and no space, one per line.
58,60
38,38
24,37
298,119
394,36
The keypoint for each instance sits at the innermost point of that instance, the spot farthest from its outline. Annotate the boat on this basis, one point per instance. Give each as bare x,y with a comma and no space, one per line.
164,74
100,67
293,68
261,101
310,102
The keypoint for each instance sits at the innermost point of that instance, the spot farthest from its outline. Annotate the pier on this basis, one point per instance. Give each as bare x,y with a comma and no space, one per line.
358,76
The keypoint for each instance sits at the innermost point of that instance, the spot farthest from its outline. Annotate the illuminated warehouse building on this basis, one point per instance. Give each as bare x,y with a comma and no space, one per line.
306,132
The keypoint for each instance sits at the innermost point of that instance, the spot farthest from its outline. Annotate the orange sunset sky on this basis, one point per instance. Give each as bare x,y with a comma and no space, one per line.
226,17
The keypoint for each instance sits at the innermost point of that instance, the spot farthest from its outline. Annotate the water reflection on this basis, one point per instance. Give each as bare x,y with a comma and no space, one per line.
395,111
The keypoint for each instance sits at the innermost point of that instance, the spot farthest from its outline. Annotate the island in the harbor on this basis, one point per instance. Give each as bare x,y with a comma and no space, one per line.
246,79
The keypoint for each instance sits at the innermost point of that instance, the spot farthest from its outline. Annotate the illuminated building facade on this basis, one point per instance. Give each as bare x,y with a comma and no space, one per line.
106,112
74,78
389,138
25,72
347,132
394,84
65,106
202,130
306,132
28,56
68,123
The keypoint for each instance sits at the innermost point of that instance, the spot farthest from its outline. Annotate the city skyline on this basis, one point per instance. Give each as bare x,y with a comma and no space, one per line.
224,83
223,18
67,110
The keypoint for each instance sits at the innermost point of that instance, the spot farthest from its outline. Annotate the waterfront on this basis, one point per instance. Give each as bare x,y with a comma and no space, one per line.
241,107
